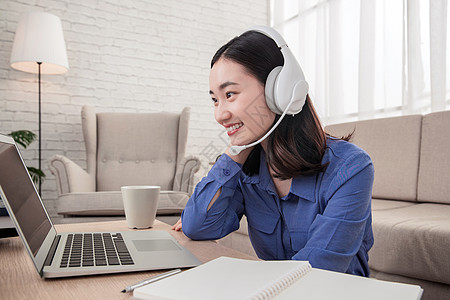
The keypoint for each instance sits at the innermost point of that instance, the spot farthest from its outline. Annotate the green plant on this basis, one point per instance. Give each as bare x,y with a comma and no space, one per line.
24,138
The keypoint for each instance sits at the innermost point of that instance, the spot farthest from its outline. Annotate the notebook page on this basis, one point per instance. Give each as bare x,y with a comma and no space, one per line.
223,278
325,285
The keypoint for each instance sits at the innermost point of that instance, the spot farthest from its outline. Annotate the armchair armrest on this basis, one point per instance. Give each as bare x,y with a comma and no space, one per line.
70,177
184,177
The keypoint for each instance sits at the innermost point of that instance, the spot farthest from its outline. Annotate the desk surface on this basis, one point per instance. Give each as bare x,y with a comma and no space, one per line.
20,280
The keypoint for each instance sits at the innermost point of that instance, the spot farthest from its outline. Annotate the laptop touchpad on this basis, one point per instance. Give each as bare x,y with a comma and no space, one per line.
155,245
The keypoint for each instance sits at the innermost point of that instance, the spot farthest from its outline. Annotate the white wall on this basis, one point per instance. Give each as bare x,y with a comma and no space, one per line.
137,56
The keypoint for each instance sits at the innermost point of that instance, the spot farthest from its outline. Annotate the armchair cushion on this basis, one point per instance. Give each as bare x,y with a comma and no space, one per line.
111,204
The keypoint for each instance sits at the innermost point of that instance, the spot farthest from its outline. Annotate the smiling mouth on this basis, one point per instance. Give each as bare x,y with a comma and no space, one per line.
233,129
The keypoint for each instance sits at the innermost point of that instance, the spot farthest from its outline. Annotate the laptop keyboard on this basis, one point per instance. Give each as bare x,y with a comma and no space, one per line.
95,249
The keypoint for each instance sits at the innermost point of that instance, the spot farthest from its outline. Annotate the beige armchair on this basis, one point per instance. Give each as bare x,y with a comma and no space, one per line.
126,149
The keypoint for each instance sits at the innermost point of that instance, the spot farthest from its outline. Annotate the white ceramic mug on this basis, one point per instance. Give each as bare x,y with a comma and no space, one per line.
140,203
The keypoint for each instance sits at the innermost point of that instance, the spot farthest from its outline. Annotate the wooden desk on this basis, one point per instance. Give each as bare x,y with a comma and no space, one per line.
20,280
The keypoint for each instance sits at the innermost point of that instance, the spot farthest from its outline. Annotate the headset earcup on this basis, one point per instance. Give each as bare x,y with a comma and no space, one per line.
270,90
299,95
290,86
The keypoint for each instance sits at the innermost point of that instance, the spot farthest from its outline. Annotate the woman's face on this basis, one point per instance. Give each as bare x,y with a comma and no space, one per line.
239,102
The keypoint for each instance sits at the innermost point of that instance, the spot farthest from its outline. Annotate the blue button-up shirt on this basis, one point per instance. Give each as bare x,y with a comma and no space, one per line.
325,218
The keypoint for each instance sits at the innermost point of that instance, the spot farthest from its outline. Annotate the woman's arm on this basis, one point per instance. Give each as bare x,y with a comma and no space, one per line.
240,159
216,206
178,225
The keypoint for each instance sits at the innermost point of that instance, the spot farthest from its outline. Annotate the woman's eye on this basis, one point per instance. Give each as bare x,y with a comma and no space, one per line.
214,100
229,94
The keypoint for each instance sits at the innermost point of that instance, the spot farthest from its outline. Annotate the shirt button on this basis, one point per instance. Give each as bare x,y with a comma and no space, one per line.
137,161
226,172
120,161
152,160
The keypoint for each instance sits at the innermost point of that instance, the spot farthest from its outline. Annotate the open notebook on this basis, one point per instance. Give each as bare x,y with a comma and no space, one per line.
231,278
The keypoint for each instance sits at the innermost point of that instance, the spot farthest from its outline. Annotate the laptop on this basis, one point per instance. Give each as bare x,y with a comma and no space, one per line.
7,228
76,254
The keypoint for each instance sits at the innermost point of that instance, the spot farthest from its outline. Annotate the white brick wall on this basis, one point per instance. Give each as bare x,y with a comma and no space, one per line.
137,56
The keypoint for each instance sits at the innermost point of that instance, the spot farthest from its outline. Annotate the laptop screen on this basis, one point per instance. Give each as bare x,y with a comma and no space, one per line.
22,197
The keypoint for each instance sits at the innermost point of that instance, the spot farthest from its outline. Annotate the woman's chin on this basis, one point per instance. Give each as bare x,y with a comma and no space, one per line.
240,142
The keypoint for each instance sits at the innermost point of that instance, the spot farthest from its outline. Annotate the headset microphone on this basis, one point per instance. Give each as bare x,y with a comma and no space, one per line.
284,83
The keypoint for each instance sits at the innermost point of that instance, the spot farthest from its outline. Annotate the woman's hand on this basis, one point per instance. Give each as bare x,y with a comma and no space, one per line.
177,226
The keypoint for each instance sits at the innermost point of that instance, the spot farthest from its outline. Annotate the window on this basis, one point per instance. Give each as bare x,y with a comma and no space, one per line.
367,59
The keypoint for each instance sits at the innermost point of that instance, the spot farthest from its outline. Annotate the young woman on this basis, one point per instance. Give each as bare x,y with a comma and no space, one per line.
306,195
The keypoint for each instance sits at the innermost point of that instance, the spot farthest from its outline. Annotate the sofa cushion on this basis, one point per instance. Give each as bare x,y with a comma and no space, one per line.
431,290
382,204
434,174
110,203
412,241
393,144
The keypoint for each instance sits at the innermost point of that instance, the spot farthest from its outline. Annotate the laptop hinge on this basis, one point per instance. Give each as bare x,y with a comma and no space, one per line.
51,253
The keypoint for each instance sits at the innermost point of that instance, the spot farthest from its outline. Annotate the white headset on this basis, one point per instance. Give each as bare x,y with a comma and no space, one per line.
286,87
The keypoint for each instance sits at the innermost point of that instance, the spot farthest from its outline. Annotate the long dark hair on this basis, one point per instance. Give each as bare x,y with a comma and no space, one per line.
297,145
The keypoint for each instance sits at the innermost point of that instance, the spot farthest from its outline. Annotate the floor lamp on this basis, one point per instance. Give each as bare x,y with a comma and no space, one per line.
39,48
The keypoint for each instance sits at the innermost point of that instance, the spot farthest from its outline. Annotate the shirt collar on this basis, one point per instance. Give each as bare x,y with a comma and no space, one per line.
265,181
302,186
257,178
262,179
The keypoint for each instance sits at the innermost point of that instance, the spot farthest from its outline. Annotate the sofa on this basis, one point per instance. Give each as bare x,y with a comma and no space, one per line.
410,199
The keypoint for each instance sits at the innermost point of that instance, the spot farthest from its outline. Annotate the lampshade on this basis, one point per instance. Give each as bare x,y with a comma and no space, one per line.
39,38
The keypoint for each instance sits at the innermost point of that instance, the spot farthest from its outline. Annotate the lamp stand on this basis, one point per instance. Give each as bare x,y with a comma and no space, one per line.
39,39
39,151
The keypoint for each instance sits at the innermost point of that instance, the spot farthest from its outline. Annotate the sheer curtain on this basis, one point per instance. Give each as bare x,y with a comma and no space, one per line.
370,58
